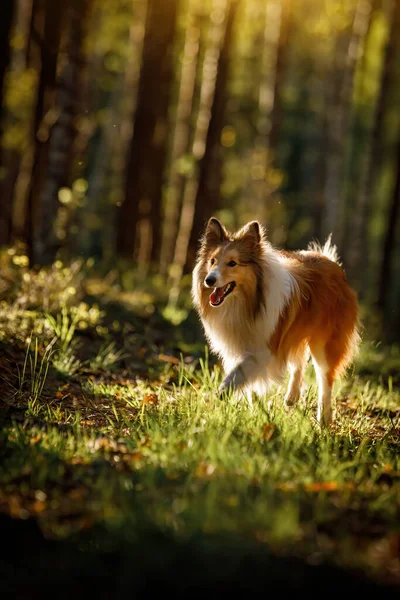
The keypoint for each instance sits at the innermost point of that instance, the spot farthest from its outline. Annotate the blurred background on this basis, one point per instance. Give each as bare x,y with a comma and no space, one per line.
126,124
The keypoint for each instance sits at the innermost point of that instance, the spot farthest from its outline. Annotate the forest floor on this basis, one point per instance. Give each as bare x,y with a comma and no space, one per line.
121,471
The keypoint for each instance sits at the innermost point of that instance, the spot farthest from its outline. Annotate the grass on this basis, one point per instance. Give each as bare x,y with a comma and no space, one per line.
115,448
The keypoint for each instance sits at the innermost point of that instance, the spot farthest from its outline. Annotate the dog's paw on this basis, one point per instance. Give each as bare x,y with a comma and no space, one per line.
290,401
325,416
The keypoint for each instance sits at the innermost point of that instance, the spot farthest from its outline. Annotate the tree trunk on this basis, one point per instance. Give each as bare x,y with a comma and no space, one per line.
268,83
140,214
339,107
359,255
285,26
7,13
210,153
46,29
180,143
389,243
63,131
16,159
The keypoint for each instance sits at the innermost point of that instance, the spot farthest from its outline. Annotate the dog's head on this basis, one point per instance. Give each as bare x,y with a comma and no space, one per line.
230,264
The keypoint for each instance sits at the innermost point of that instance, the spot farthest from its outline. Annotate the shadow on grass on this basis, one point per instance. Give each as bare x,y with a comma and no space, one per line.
130,554
188,331
101,564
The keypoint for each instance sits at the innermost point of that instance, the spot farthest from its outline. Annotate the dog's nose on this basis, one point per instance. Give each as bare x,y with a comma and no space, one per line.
210,280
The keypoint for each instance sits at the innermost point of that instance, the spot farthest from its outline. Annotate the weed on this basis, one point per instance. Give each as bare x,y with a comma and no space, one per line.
32,377
107,357
64,326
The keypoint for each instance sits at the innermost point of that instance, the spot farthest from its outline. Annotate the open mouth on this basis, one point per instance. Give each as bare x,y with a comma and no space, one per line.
219,294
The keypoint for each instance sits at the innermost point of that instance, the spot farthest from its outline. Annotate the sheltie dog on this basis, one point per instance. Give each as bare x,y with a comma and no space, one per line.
265,310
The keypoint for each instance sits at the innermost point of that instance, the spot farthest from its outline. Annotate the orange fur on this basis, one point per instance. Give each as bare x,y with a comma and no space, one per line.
283,305
322,315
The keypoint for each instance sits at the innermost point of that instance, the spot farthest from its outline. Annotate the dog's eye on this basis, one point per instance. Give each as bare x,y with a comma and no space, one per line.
212,261
232,263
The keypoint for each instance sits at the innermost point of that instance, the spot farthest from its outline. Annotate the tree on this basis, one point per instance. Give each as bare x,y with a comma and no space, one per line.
339,103
54,124
181,137
285,26
359,254
6,21
390,239
16,157
207,194
139,224
63,130
46,31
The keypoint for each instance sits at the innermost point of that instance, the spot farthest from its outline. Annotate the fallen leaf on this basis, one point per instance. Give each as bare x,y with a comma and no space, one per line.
268,431
134,457
319,486
168,358
150,399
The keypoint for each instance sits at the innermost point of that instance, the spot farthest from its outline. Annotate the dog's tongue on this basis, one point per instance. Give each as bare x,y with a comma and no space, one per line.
216,295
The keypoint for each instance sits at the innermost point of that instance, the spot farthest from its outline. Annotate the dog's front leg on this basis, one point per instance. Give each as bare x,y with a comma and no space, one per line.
252,366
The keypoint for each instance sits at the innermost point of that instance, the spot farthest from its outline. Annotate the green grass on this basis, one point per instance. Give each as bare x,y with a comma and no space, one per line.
112,430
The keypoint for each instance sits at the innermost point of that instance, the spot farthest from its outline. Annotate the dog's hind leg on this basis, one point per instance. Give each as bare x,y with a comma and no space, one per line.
325,383
325,372
295,383
330,358
297,366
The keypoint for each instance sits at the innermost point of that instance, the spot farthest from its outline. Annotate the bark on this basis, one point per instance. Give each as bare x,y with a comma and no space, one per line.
139,224
259,195
359,255
210,152
285,27
6,21
14,160
7,13
181,139
340,91
63,131
320,177
390,238
46,29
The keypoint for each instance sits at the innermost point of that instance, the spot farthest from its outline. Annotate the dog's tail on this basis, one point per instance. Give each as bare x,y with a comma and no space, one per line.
328,249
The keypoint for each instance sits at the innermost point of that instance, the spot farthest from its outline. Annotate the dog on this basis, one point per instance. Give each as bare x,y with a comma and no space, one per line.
266,310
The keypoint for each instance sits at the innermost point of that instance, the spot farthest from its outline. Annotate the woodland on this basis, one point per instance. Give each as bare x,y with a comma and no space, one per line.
124,126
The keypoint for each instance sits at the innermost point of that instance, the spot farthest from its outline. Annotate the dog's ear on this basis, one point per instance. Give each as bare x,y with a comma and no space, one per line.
215,232
253,232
